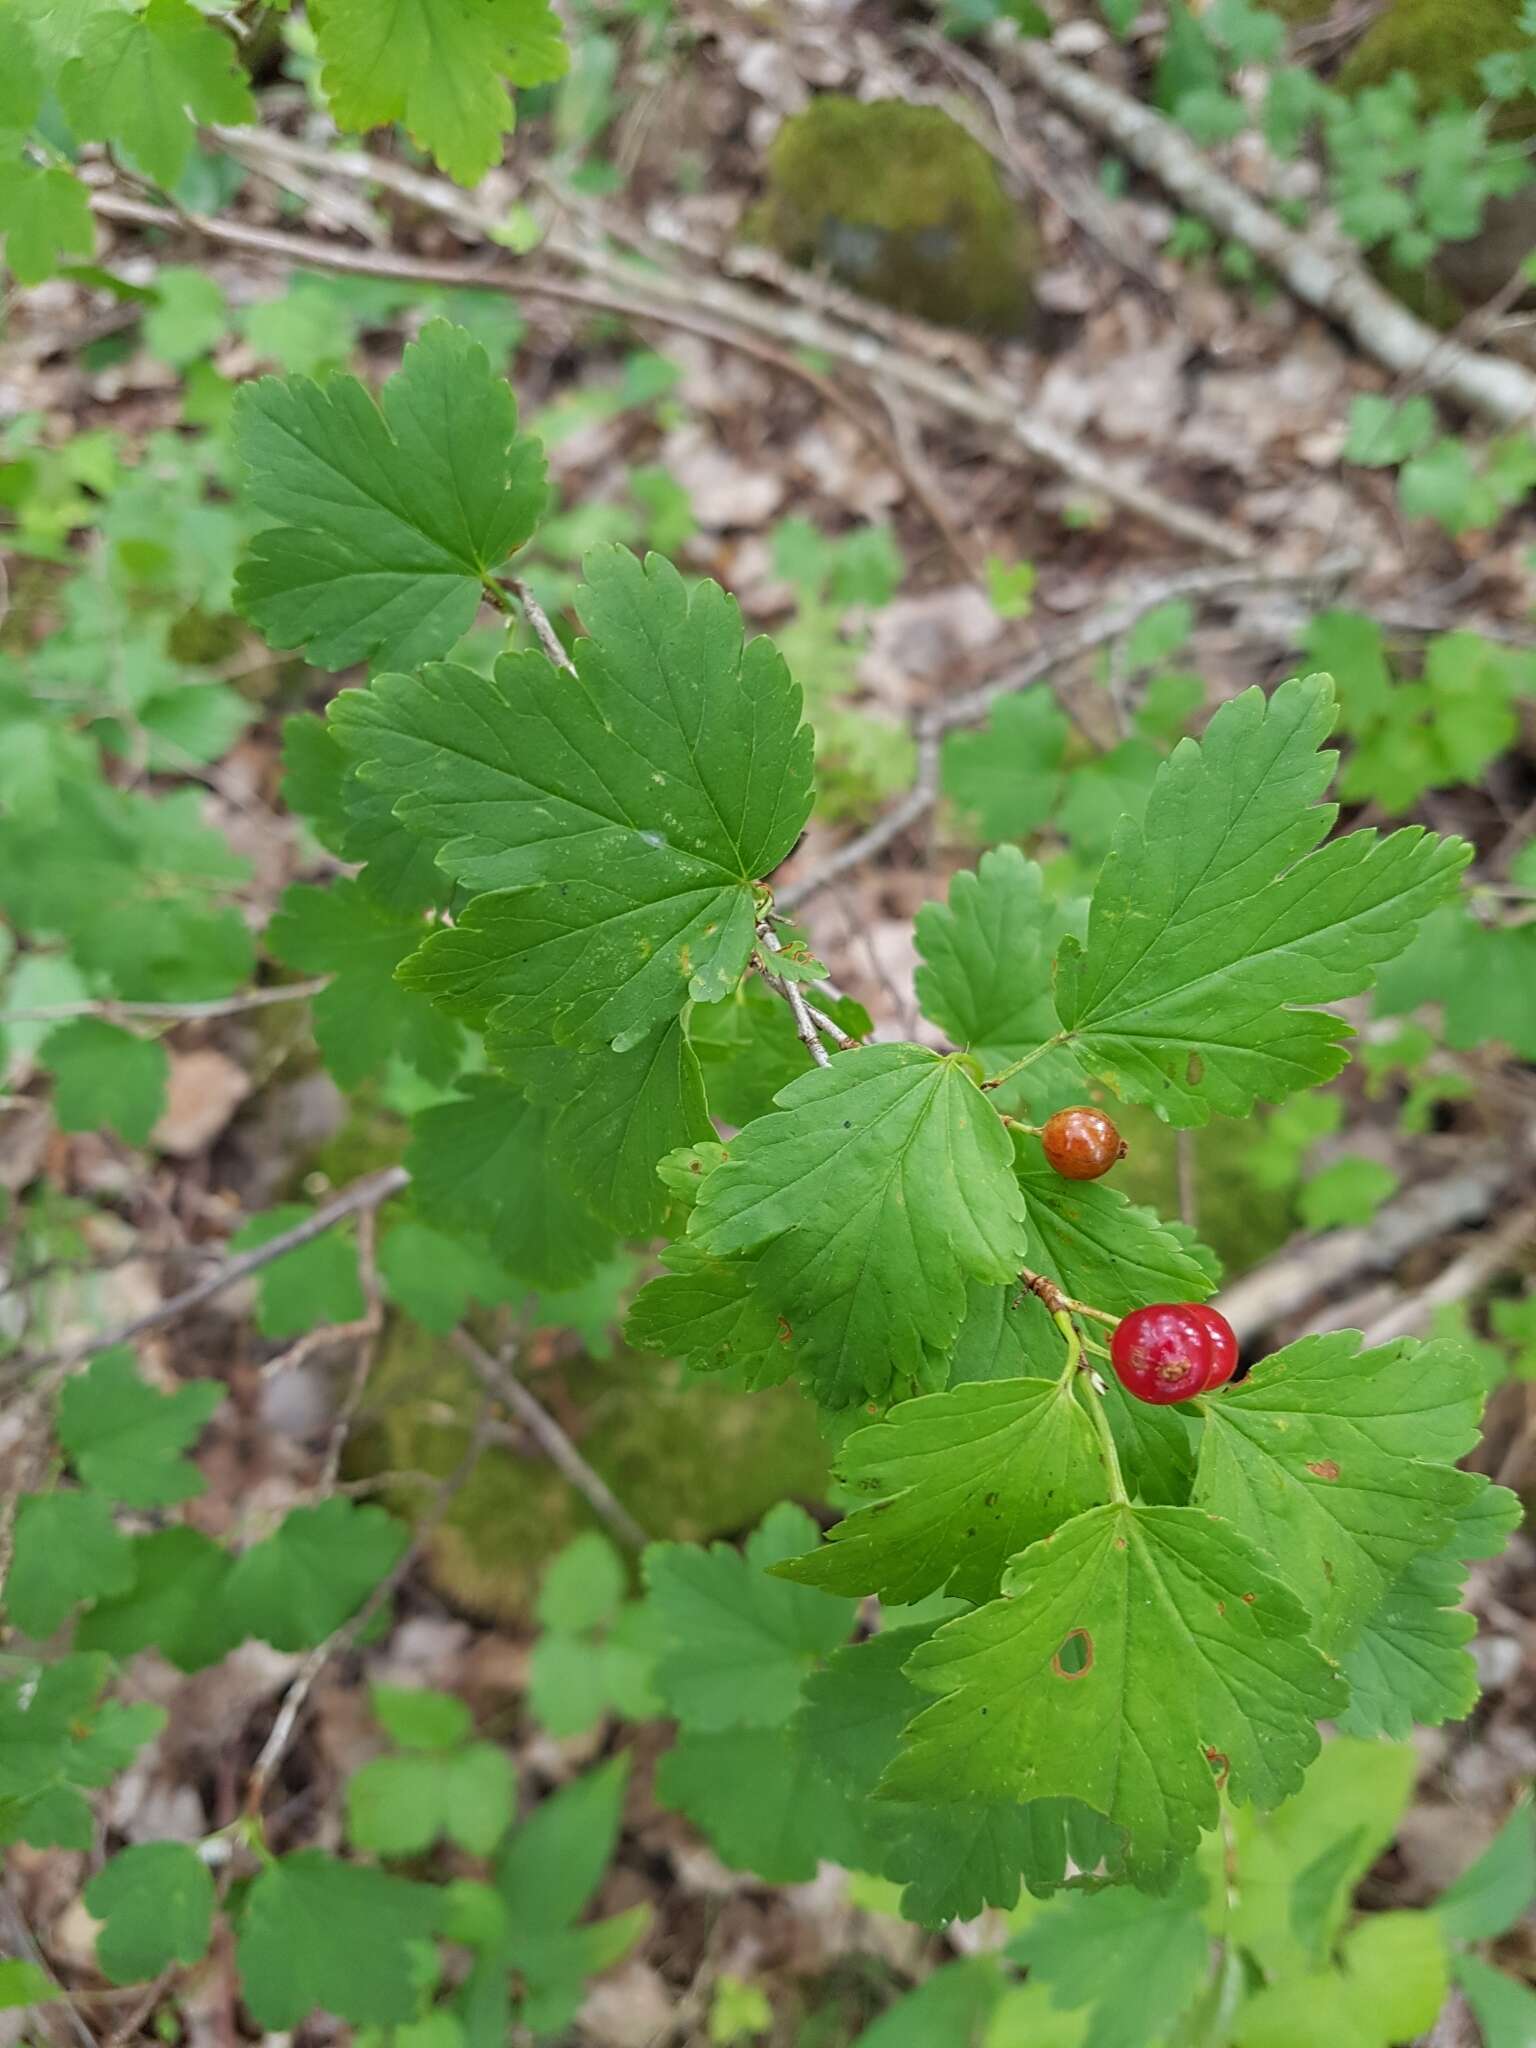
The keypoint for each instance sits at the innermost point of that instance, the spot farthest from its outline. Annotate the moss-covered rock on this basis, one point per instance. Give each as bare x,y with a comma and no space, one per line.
1441,43
899,203
689,1459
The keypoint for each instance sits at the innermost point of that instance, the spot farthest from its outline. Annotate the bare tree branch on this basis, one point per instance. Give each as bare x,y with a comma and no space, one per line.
368,1193
1331,279
112,1008
499,1379
735,317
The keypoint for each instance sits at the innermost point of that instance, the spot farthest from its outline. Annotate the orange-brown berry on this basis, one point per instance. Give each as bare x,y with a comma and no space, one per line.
1081,1143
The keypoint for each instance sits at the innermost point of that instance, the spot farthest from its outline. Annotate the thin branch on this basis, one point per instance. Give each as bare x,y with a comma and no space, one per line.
1331,279
23,1940
368,1193
734,317
538,618
365,1333
111,1008
498,1378
789,991
1303,1272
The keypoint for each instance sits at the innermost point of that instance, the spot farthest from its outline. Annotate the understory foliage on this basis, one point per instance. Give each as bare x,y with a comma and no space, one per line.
1107,1632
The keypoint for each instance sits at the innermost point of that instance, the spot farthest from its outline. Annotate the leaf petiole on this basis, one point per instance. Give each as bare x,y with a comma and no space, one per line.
1068,1329
1028,1060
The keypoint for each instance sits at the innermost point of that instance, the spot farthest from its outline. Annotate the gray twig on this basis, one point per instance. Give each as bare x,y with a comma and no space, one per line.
110,1008
368,1193
1331,278
790,992
538,618
497,1376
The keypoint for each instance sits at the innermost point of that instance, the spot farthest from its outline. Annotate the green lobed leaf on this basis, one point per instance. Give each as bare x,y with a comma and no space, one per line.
1137,1654
105,1077
748,1048
762,1799
142,80
317,1933
353,818
365,1017
1135,1963
401,1805
1388,1986
647,791
880,1183
953,1858
440,67
614,1115
710,1313
393,515
45,216
1296,1869
1495,1891
175,1603
1338,1463
737,1642
156,1900
126,1439
963,1481
1009,776
484,1163
584,1586
985,973
56,1733
1219,919
1101,1248
435,1276
313,1572
315,1283
418,1718
67,1549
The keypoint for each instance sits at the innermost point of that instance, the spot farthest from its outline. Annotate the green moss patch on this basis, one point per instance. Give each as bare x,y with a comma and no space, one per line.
900,203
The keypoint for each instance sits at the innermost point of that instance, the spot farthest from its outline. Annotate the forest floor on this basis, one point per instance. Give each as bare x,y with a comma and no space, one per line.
1228,403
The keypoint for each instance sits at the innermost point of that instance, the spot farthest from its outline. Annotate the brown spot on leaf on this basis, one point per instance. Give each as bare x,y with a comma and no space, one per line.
1221,1606
1075,1657
1194,1069
989,1500
785,1332
1220,1763
1249,1598
1325,1468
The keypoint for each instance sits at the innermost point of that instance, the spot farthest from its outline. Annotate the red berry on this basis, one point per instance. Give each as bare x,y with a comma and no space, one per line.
1081,1143
1223,1344
1172,1351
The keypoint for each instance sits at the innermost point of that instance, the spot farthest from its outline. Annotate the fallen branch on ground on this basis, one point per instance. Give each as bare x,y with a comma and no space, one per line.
52,1366
1314,1267
112,1009
499,1380
731,315
1331,279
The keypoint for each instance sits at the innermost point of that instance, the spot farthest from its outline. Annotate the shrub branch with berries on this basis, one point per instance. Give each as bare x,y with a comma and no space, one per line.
1135,1581
1168,1578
